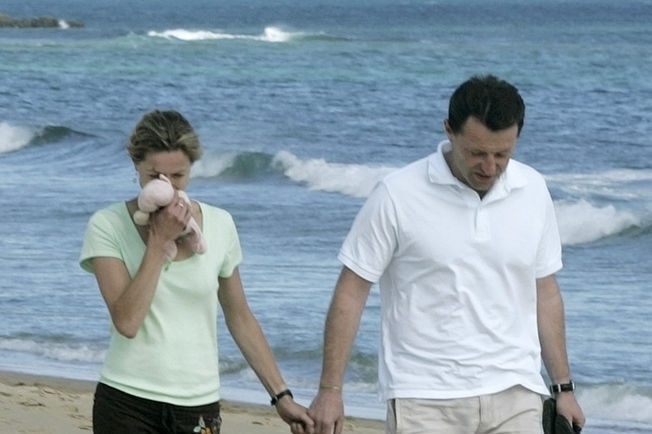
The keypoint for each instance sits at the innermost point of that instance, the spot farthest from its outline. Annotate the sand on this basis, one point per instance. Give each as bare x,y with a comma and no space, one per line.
33,404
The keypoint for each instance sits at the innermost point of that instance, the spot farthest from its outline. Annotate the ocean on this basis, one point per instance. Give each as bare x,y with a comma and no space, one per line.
302,105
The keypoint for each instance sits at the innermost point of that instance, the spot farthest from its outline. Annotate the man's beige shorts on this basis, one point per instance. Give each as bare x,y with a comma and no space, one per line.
513,411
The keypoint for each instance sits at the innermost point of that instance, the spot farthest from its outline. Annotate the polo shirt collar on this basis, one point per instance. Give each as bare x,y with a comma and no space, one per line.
439,173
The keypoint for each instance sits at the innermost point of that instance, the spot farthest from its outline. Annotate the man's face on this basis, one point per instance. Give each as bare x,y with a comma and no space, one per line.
479,156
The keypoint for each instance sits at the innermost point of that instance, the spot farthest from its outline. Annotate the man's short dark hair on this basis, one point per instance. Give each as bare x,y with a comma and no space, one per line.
494,102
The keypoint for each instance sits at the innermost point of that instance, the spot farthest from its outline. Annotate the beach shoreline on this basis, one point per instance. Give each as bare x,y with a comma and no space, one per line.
41,404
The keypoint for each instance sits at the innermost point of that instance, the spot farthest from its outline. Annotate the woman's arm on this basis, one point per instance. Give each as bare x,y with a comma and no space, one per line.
249,337
127,299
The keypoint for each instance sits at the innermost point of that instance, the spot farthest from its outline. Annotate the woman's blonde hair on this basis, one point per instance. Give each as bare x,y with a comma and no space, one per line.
163,131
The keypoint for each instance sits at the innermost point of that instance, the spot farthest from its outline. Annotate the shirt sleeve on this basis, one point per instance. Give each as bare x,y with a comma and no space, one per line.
549,254
99,241
233,250
372,239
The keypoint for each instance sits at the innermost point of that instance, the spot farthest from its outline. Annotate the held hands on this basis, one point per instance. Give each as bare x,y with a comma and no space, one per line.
327,412
295,415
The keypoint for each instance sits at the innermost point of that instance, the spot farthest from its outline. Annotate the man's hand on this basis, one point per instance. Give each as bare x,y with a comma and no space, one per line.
568,407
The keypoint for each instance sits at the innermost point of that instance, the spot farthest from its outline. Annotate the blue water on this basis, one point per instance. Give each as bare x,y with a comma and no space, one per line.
302,106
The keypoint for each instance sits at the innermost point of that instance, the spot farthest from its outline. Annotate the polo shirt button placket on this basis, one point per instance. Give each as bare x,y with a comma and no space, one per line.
481,224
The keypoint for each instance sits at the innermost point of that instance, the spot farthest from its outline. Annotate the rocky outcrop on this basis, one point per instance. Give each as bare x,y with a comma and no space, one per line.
39,22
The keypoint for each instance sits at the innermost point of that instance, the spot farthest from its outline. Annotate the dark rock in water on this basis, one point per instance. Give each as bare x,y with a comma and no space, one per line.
39,22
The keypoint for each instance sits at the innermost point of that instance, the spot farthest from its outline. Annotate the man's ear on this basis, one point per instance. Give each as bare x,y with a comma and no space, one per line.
448,129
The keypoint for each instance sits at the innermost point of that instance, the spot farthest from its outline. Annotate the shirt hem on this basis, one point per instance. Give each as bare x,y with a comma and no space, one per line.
407,393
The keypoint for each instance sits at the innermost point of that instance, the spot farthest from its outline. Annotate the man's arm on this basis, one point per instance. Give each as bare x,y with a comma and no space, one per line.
342,322
552,335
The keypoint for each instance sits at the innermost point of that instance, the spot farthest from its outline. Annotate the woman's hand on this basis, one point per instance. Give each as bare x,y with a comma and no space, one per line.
169,223
295,415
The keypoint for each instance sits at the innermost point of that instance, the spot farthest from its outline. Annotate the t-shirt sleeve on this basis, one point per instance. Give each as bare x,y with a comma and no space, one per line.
233,250
370,244
99,241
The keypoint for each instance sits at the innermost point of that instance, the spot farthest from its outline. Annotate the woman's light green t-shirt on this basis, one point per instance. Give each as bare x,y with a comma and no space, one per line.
174,356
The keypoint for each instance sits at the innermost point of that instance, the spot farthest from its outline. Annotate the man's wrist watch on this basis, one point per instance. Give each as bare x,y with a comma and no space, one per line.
562,387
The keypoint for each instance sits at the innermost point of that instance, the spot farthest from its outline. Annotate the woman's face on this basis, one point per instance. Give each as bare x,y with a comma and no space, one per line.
175,165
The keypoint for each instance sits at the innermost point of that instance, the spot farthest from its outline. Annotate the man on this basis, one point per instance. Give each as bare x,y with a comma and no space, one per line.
464,245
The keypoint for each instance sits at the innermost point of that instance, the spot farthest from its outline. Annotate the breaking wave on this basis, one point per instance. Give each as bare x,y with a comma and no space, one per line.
270,34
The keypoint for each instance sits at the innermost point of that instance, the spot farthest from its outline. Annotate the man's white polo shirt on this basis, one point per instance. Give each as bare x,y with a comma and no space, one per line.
457,278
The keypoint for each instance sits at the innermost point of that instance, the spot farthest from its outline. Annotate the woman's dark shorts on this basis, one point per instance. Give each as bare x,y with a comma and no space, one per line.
116,412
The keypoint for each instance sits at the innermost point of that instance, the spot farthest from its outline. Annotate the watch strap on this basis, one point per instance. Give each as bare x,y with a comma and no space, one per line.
280,395
562,387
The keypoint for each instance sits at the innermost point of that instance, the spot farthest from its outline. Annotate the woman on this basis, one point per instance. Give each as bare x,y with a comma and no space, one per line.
161,371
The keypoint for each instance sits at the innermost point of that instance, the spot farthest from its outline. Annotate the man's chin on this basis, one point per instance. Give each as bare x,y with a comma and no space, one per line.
487,186
482,186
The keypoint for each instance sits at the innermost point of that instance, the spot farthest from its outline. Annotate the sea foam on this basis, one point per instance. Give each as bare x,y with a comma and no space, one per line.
581,222
270,34
13,137
624,403
66,351
350,179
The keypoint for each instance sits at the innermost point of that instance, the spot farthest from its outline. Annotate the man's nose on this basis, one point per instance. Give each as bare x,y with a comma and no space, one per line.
489,166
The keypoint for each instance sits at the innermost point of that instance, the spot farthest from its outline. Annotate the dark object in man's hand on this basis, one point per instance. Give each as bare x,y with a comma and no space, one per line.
554,423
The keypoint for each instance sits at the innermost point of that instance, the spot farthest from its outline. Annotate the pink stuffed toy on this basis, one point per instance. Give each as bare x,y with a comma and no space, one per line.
158,193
